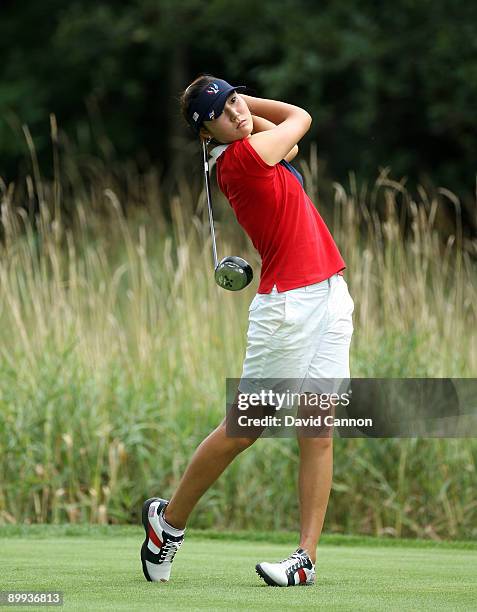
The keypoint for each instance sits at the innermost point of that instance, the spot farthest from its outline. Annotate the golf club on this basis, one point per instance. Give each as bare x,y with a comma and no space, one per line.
232,273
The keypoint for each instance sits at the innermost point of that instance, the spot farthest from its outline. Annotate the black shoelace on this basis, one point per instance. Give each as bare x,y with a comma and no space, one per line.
168,551
300,561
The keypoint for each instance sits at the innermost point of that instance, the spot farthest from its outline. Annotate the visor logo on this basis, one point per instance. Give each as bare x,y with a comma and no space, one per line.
195,116
211,114
212,89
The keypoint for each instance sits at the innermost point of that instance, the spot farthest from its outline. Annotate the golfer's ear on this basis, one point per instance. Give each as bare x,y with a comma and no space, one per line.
204,133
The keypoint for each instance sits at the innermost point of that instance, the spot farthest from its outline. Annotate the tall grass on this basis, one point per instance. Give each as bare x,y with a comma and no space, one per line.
115,344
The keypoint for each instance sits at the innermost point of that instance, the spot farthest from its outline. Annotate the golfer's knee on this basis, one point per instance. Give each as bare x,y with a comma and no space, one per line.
318,444
241,444
236,443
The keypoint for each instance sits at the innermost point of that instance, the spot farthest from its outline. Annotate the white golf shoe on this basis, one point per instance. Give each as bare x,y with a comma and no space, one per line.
161,543
296,570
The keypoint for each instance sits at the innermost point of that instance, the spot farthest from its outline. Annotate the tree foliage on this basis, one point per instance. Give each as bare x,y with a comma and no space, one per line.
388,84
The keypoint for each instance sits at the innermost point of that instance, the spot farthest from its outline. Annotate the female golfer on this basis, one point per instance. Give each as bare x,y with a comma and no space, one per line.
300,321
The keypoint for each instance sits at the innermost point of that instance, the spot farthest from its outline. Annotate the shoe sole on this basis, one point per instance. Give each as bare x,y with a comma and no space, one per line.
145,522
270,582
265,576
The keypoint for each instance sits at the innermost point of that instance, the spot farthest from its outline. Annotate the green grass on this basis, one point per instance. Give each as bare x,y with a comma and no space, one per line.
99,569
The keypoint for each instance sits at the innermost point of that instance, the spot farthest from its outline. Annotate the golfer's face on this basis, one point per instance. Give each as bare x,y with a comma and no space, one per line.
234,123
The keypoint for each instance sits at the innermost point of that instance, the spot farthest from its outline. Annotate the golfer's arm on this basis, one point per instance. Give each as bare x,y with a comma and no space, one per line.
273,110
261,125
292,123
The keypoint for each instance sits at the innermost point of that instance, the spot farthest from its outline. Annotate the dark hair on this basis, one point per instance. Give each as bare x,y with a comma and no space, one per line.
192,91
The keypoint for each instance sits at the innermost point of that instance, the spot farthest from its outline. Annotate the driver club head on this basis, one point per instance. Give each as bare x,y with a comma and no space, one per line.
233,273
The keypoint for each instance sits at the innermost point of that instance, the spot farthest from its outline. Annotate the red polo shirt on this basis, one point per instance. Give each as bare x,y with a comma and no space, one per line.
284,226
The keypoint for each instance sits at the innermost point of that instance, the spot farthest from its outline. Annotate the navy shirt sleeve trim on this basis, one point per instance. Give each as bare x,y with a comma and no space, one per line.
293,170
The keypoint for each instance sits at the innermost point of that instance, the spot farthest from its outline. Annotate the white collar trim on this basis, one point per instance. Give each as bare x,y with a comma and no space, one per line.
216,153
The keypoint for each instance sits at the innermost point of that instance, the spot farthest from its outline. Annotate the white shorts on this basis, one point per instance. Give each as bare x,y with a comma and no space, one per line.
302,334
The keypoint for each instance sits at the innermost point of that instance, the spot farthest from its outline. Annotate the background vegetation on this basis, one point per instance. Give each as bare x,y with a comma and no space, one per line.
389,84
114,341
115,344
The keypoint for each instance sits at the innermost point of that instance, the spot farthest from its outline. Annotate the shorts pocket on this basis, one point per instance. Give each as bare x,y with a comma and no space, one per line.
266,316
340,309
350,300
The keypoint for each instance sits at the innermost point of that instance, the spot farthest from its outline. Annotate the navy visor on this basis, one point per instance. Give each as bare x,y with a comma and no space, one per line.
210,103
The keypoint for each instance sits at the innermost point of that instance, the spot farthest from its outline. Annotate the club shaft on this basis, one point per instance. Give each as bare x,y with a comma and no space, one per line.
209,201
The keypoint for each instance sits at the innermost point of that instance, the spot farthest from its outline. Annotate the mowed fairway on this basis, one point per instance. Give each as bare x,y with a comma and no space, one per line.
100,570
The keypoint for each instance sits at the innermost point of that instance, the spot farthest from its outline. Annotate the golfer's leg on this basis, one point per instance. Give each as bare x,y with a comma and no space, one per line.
331,362
314,483
208,462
